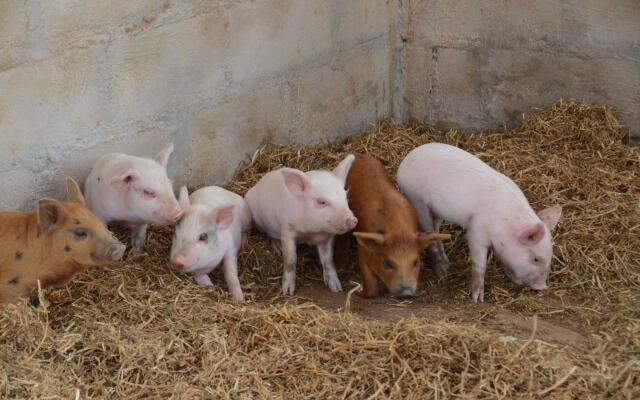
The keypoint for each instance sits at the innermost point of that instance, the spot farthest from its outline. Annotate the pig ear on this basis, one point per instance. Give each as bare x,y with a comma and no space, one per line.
183,199
371,241
74,194
426,238
163,157
296,181
223,216
532,235
122,181
550,216
342,170
49,214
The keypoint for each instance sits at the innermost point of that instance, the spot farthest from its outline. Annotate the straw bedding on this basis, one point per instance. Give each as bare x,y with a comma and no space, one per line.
138,330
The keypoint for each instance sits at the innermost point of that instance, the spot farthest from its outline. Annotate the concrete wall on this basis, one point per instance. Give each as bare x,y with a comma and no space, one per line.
79,78
482,64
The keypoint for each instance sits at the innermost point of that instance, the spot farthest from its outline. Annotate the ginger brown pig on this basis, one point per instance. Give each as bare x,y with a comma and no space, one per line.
51,245
389,243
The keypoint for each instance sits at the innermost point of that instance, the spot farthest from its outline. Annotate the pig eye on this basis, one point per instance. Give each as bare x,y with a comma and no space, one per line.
537,260
149,193
80,234
322,202
416,264
387,264
203,237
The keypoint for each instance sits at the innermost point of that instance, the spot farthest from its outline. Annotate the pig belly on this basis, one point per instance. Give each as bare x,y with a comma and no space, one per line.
315,239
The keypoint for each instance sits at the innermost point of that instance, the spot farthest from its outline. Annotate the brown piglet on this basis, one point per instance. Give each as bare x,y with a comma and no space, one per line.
51,245
389,243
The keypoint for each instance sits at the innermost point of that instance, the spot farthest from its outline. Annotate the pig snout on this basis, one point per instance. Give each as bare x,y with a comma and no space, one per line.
115,252
170,215
405,291
538,285
350,223
178,262
176,214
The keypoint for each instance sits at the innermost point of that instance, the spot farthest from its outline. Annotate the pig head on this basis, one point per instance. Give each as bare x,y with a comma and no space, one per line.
146,191
320,200
393,259
51,245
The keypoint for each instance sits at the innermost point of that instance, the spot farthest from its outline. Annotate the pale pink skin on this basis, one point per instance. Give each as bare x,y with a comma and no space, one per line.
211,231
293,207
446,183
135,191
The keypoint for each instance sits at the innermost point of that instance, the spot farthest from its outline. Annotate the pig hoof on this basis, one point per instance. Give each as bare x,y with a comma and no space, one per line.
288,284
334,284
477,294
239,298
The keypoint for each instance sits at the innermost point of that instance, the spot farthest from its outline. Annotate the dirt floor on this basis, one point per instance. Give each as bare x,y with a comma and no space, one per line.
139,330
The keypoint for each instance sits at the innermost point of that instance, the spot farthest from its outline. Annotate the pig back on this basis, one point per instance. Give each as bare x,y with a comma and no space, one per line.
455,185
375,201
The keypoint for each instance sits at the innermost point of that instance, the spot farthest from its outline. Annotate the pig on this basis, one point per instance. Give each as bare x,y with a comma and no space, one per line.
51,245
133,191
389,244
444,182
293,207
211,231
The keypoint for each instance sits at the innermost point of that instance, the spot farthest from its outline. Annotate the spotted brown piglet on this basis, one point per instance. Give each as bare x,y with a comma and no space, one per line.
51,245
389,243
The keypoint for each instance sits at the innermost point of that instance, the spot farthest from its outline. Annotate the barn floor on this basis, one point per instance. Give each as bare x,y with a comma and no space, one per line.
138,330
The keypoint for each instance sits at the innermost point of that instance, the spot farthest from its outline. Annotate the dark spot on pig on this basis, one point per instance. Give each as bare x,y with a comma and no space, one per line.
67,249
98,179
381,231
14,281
18,237
34,301
18,255
38,235
77,221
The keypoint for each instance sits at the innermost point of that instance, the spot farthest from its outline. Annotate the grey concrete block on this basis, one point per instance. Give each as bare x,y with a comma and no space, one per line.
272,36
345,98
220,137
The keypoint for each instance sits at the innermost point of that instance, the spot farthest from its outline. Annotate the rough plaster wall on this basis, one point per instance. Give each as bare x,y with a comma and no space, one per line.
482,64
80,78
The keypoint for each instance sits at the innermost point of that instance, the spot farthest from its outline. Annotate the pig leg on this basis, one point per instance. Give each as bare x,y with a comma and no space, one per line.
437,256
231,276
478,251
341,250
288,246
203,279
138,237
369,280
441,262
325,251
276,246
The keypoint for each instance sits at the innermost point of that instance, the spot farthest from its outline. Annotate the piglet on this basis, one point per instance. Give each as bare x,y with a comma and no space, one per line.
446,183
293,207
134,191
211,231
51,244
389,244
